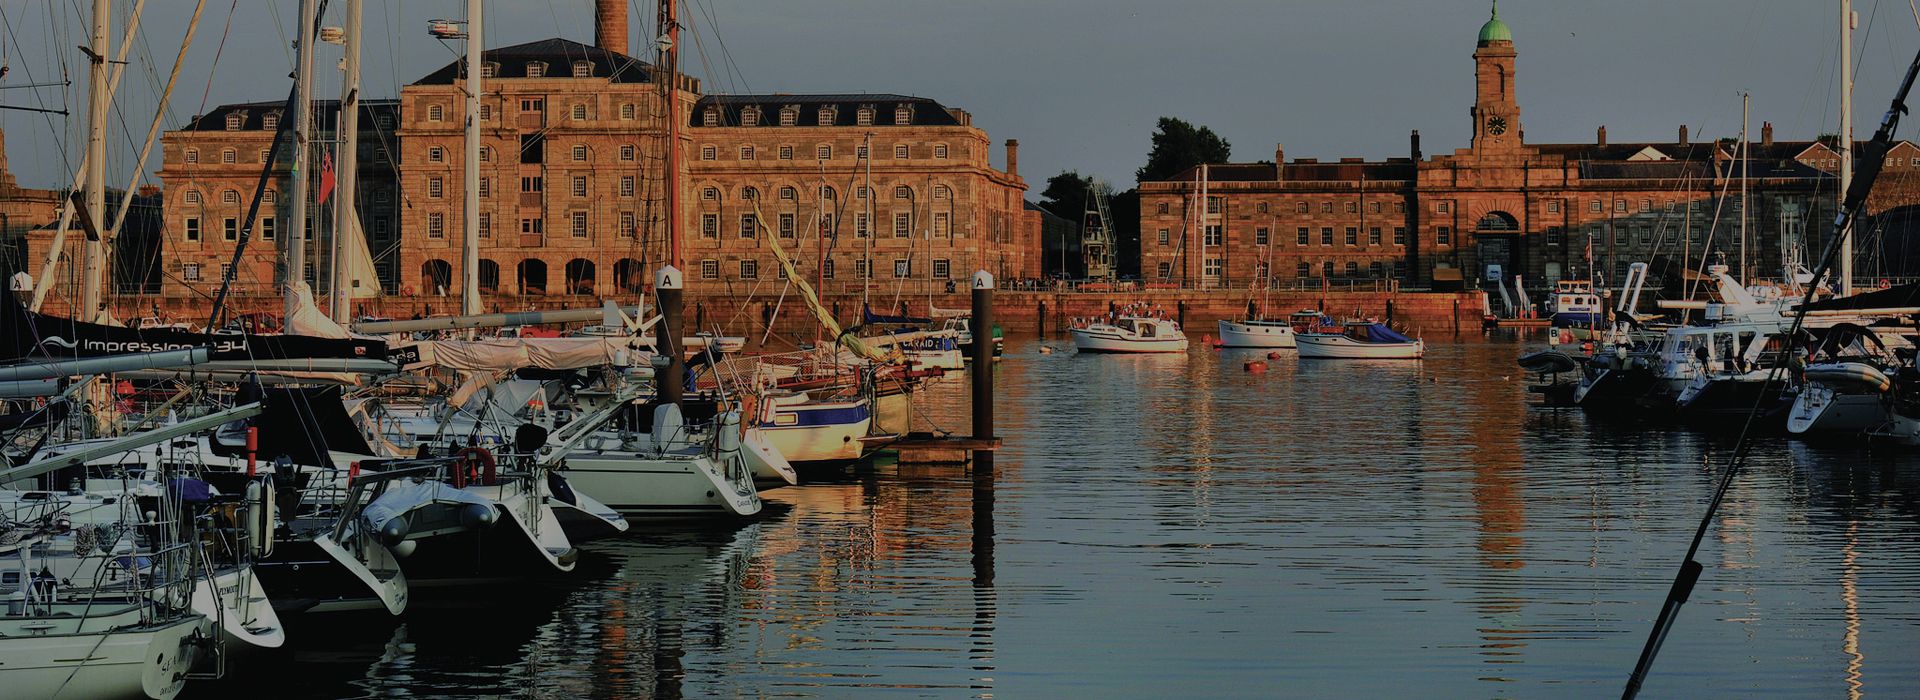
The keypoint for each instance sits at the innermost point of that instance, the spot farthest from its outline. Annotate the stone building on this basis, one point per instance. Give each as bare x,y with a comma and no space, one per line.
1500,207
571,192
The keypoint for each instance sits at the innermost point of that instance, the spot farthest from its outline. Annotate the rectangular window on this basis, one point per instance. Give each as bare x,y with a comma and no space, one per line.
1594,206
786,225
531,184
626,185
533,226
1326,235
627,227
1305,235
1326,207
1620,205
190,272
709,225
267,224
1553,206
902,225
859,152
860,225
1353,207
749,269
826,225
435,188
746,153
941,224
940,151
1165,237
1260,236
1373,236
1443,235
230,228
1553,235
942,269
823,152
709,269
1353,236
786,153
436,225
579,186
1646,205
1213,235
193,228
1213,204
709,153
381,228
900,152
486,187
902,268
860,269
826,268
579,224
1211,267
486,224
749,226
1399,235
1163,208
1165,270
1443,207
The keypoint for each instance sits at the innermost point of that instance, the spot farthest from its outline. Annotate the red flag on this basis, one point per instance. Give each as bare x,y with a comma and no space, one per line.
326,179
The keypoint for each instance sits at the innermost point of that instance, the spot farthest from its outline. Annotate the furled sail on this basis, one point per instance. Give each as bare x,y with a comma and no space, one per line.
360,280
812,299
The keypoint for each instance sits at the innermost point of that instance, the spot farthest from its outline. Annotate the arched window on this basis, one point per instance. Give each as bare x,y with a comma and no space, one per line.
628,276
489,276
436,276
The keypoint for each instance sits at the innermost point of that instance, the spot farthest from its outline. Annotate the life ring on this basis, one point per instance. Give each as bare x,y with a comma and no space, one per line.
475,465
1884,284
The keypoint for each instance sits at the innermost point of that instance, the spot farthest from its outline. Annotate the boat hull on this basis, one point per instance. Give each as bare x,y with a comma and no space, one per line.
1239,334
811,433
1818,409
640,486
1090,342
1314,346
148,662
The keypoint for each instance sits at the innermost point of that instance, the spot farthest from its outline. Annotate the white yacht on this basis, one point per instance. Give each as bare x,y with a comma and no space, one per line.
1130,334
1253,333
1361,341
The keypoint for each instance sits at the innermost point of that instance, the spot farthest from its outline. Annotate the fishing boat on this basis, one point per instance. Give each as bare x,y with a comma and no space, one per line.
1130,334
1361,340
1575,305
1256,333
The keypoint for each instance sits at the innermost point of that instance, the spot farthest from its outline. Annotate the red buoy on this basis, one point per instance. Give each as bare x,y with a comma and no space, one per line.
1255,366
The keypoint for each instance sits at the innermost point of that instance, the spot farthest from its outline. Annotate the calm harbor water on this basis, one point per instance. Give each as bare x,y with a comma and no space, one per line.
1176,527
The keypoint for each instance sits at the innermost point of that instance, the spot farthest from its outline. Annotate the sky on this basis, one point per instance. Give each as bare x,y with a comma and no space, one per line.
1079,82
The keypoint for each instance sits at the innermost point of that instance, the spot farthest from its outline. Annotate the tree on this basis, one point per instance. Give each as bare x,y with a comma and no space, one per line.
1177,146
1066,195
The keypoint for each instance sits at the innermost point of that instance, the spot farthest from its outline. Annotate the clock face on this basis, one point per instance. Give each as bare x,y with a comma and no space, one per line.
1496,125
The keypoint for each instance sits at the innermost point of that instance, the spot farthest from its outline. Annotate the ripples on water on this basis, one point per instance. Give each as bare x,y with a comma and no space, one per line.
1175,527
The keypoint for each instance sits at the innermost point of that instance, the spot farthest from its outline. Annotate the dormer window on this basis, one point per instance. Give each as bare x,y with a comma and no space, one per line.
490,69
826,116
750,117
789,116
236,120
864,117
582,69
270,121
536,69
903,114
710,118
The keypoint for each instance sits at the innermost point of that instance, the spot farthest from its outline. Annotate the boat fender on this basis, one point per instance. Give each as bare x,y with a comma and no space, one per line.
476,466
261,515
561,490
404,549
730,432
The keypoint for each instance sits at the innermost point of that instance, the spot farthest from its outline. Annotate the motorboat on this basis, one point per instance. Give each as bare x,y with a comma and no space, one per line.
1575,305
805,430
1847,386
1256,333
1361,340
1130,334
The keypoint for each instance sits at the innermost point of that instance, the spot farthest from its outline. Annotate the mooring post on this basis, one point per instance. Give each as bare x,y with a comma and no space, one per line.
1042,318
1182,306
699,311
982,350
668,372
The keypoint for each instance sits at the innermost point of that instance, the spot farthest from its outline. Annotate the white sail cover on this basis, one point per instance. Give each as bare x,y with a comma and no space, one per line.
307,319
507,354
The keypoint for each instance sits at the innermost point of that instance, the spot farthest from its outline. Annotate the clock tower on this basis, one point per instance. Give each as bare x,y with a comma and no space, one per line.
1496,114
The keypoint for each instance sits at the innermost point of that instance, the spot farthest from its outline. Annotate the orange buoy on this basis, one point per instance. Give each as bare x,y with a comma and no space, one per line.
1255,366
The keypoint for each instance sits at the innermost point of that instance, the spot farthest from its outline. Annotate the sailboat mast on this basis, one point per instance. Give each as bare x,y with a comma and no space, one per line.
670,106
1846,137
470,230
296,241
96,184
1744,176
873,227
346,167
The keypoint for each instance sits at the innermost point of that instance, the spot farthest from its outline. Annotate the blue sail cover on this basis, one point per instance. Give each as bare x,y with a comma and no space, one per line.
868,317
1379,333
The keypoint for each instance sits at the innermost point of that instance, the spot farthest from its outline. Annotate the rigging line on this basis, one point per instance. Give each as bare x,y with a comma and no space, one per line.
60,144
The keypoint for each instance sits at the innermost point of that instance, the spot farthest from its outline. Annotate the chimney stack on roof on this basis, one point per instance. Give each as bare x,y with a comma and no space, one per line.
1013,157
610,25
1600,136
1414,138
1683,134
1766,134
1279,162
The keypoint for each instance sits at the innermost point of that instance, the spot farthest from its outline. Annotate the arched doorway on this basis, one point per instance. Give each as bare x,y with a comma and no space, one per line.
579,275
1496,242
436,277
628,276
532,276
489,276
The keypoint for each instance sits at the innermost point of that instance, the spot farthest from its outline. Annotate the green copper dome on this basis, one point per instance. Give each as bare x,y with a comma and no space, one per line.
1494,29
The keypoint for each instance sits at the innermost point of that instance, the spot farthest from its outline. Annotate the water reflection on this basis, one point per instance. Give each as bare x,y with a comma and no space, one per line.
1178,527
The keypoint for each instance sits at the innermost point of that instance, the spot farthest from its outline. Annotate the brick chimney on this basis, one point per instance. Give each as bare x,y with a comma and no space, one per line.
1279,162
1013,157
610,25
1414,142
1600,137
1766,134
1683,135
